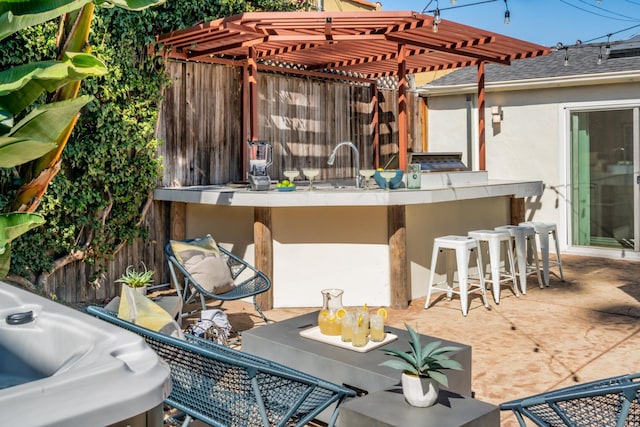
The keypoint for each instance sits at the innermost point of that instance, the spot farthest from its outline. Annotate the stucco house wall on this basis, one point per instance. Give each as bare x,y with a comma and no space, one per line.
532,139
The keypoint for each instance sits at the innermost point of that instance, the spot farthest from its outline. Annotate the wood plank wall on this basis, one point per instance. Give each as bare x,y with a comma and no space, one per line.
200,122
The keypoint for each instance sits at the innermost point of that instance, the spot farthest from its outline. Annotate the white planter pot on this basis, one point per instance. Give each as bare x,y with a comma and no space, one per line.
419,391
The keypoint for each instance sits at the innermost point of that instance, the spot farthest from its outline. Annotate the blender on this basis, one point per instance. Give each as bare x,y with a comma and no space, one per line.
260,158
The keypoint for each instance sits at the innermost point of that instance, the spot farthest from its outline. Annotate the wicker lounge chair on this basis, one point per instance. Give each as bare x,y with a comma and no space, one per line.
611,402
225,387
249,282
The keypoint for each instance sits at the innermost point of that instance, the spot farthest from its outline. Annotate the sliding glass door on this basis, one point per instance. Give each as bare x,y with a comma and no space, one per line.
604,165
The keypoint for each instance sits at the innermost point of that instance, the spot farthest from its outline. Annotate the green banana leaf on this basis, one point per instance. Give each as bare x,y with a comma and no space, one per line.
38,132
129,4
17,15
21,86
16,151
47,121
13,225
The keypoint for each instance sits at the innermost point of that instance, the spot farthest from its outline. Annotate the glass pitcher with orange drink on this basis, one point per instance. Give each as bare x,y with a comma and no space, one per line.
329,318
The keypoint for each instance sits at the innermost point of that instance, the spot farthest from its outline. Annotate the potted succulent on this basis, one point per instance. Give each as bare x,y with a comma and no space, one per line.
422,369
139,280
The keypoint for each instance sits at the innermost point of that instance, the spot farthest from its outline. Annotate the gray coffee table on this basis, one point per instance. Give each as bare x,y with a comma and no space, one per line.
388,408
281,342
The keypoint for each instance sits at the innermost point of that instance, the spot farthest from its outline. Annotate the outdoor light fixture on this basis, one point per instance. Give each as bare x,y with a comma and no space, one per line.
566,57
496,114
436,17
600,56
435,26
507,14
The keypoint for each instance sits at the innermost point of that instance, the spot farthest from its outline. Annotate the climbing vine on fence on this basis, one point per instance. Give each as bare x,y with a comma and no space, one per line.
109,168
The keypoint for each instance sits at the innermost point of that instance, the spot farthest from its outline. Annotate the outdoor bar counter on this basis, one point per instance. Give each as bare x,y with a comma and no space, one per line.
374,244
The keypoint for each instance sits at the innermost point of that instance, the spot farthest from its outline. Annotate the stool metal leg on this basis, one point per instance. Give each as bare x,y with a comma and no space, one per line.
450,262
544,250
521,256
483,289
509,244
434,260
532,251
462,258
555,238
494,261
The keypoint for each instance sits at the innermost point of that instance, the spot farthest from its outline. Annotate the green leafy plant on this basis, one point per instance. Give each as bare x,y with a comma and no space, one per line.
95,205
135,278
428,361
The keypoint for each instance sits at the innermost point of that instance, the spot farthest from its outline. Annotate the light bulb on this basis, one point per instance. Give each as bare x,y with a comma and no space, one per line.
453,2
566,59
435,27
436,16
600,56
607,49
507,17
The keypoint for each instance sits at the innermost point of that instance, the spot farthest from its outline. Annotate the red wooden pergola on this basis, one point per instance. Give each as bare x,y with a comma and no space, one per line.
346,45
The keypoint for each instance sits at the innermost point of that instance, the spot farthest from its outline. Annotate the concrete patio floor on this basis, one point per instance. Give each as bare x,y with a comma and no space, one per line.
582,329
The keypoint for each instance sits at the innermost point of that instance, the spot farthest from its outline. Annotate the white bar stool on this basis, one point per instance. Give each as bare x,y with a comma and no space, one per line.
526,249
543,230
462,245
495,240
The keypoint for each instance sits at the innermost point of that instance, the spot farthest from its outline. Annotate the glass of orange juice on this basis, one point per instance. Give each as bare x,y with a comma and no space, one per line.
376,325
348,320
360,336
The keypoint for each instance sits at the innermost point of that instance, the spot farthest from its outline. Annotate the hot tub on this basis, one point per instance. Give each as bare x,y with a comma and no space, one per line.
62,367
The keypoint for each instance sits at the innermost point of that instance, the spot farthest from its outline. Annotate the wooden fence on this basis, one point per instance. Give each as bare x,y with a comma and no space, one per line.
200,122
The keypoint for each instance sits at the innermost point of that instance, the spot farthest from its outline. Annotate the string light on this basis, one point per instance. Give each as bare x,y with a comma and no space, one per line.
566,56
600,56
507,14
607,48
453,2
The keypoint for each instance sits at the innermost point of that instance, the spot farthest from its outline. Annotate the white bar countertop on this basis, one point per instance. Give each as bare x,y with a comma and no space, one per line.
326,194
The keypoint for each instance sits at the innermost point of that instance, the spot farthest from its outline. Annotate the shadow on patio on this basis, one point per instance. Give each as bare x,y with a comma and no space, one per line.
583,329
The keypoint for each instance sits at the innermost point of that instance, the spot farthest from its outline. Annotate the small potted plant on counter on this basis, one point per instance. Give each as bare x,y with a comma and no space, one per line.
138,280
422,369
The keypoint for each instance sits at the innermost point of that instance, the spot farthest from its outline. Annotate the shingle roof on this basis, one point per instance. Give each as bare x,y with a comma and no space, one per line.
583,60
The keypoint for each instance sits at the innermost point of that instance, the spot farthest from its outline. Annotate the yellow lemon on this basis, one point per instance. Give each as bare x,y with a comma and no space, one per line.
360,320
324,313
364,307
340,313
382,312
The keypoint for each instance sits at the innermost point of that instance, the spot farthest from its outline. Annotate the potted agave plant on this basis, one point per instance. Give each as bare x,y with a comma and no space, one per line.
139,280
422,369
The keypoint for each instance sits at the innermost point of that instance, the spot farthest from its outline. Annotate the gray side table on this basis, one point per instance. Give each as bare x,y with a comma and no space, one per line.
388,408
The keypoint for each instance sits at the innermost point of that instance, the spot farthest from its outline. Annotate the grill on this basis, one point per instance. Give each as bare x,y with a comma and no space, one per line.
438,162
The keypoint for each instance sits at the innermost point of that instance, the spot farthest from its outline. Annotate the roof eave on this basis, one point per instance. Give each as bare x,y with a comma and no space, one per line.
529,84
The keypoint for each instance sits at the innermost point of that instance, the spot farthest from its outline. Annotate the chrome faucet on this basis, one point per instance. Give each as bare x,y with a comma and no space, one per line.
332,158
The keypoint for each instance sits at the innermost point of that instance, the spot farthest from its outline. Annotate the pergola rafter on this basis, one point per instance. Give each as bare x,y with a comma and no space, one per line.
364,44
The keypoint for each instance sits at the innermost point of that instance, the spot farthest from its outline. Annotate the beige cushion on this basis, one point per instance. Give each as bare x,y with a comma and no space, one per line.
203,260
